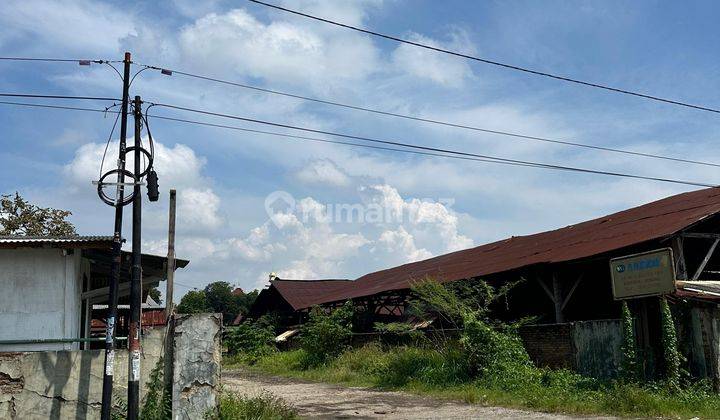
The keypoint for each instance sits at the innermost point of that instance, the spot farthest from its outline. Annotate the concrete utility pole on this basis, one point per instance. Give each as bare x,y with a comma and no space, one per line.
116,252
170,257
135,283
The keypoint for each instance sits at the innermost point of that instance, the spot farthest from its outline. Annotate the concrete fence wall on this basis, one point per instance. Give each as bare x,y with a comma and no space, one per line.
67,384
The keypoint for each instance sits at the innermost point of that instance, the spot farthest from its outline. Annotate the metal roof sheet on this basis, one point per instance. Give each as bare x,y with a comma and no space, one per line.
608,233
306,293
25,241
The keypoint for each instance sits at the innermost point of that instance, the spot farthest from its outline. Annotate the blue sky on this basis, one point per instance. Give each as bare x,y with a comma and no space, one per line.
224,177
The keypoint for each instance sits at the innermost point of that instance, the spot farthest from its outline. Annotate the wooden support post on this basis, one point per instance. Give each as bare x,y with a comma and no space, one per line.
698,366
170,257
557,299
680,268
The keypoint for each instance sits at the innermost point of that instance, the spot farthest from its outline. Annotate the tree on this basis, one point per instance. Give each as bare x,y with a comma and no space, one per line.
21,218
194,302
246,300
220,298
154,293
217,297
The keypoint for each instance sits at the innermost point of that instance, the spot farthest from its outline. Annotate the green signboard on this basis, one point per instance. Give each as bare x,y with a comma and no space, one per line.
646,274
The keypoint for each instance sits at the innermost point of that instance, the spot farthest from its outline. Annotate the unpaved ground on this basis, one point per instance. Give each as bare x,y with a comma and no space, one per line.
318,400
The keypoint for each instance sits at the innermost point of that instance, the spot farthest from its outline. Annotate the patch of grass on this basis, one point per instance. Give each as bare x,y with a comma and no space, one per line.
442,373
263,407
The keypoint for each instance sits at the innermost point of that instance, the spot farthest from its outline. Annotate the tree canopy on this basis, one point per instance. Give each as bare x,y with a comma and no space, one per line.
217,297
21,218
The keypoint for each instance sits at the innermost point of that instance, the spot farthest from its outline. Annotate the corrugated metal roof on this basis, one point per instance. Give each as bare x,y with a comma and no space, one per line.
306,293
651,221
21,241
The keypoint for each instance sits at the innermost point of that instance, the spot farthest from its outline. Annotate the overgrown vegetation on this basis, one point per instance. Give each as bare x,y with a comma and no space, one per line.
250,341
326,335
486,364
262,407
157,404
630,368
671,354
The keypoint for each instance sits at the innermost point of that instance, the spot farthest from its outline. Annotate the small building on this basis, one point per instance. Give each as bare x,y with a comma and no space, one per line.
50,284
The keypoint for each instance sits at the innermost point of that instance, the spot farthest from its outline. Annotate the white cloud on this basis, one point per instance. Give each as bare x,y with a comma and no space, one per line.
432,65
402,243
421,215
238,43
348,12
323,172
178,167
199,208
75,26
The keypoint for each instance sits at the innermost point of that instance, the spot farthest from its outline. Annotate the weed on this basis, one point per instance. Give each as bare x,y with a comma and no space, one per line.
262,407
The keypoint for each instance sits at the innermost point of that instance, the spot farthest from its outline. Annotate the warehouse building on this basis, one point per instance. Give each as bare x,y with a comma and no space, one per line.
566,283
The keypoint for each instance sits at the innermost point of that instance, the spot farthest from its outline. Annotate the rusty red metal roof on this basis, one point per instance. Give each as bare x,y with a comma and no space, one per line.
619,230
302,294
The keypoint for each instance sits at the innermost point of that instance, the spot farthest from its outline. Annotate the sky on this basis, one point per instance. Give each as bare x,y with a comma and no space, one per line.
251,204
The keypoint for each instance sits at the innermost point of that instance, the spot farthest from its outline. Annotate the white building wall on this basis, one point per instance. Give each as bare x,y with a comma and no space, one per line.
39,297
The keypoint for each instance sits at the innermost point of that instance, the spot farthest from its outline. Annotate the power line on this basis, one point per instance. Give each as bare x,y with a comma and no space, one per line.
59,60
434,121
492,62
433,149
426,150
315,139
30,95
70,108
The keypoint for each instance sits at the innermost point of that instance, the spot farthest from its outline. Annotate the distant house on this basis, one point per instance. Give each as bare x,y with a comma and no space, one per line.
50,284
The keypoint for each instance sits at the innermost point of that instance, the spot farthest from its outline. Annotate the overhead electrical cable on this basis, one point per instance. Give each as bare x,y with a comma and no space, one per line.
31,95
433,121
427,148
59,60
315,139
70,108
440,152
492,62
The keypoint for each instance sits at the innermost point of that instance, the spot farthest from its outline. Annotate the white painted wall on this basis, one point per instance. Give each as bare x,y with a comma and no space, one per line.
39,297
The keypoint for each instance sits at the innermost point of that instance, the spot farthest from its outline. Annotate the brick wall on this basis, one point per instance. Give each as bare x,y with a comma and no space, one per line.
550,345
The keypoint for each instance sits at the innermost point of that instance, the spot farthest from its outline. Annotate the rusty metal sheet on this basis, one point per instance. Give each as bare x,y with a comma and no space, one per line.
302,294
650,221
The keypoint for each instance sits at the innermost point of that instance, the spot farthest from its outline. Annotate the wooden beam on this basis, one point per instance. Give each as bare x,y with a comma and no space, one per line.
572,290
701,235
680,268
546,289
557,293
706,259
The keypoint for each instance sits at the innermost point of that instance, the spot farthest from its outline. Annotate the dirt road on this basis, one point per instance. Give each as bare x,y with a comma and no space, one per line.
318,400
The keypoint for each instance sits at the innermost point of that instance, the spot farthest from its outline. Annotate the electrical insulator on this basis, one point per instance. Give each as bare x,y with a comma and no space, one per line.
153,191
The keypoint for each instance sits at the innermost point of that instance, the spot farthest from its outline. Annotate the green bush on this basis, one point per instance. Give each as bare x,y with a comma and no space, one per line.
263,407
250,340
489,350
326,336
